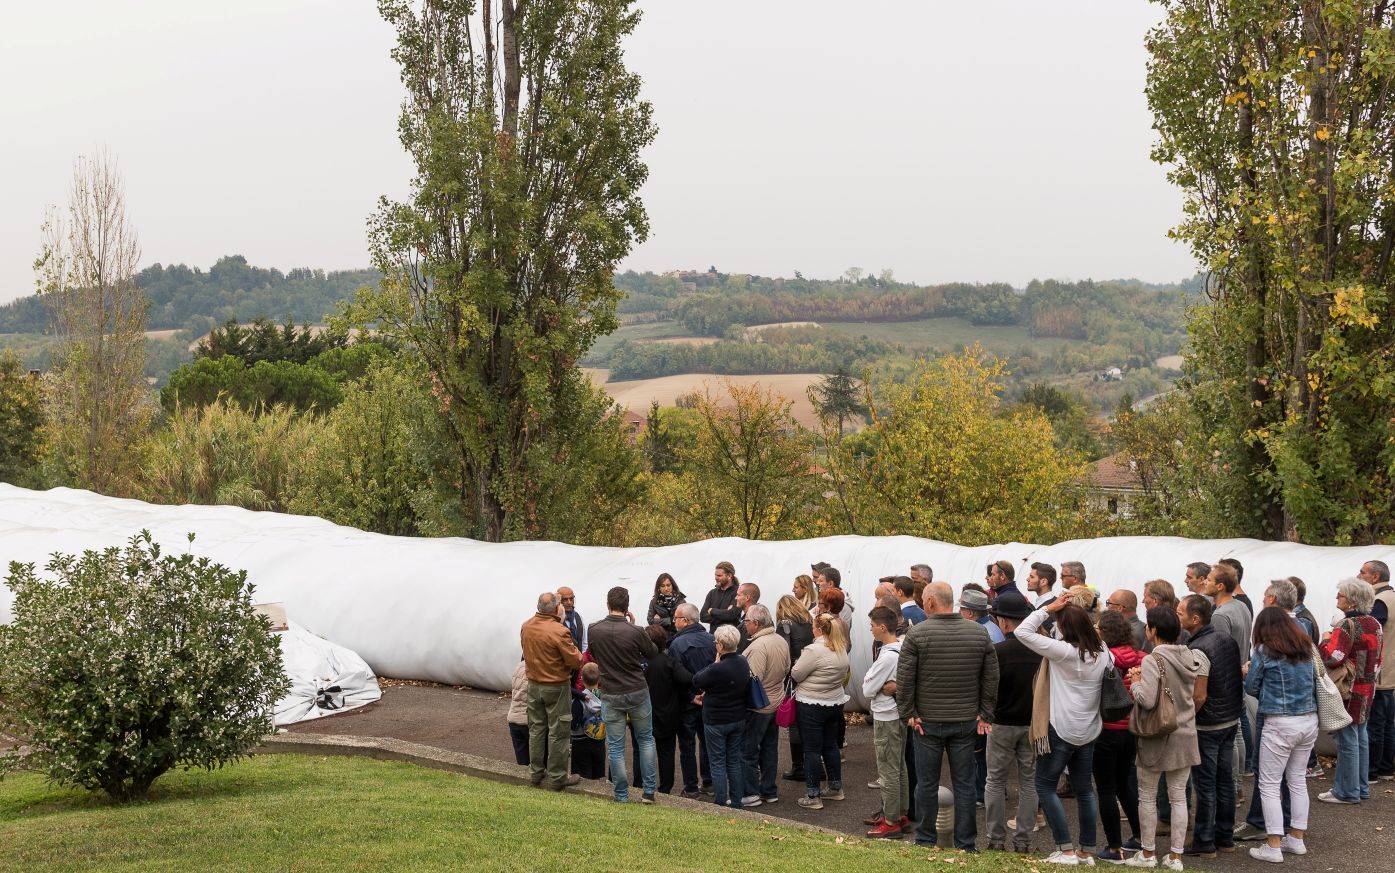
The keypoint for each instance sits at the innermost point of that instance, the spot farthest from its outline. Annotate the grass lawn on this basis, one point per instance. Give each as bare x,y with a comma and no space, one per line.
289,812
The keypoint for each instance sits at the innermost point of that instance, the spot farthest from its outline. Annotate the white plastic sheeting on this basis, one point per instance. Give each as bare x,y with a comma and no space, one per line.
325,678
449,610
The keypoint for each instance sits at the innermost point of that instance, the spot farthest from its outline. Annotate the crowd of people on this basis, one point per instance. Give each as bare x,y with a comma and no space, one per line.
1150,722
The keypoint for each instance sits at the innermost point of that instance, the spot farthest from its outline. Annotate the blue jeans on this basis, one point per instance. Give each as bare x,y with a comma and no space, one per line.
762,754
818,727
614,710
1080,760
956,739
1353,763
726,749
690,754
1214,779
1381,729
1247,739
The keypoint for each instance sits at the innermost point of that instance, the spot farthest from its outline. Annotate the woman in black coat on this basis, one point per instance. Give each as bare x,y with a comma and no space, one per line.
665,601
792,621
669,690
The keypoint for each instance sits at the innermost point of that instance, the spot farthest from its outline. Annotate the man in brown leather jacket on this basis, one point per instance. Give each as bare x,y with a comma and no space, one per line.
549,657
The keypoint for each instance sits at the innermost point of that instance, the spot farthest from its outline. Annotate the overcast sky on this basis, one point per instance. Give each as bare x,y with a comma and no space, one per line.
993,141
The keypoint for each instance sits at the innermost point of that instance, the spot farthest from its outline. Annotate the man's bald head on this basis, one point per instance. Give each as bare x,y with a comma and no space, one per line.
939,597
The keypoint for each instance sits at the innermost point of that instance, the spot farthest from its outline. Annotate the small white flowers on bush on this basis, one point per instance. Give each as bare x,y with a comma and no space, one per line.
124,663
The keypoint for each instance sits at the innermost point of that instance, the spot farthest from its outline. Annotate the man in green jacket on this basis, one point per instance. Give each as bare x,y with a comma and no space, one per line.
946,690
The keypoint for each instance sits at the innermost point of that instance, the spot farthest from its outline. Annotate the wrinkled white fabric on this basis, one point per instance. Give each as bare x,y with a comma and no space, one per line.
449,609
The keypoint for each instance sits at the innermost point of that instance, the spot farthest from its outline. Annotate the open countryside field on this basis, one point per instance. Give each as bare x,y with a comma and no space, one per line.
654,330
637,394
945,334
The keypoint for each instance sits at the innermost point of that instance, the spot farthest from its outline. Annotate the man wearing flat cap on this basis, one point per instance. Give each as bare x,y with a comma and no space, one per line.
1012,721
973,605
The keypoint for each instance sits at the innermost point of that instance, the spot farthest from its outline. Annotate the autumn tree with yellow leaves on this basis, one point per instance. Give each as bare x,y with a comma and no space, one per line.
943,458
1276,120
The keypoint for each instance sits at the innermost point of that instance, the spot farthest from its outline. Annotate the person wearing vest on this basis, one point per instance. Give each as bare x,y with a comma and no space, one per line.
1219,697
1382,725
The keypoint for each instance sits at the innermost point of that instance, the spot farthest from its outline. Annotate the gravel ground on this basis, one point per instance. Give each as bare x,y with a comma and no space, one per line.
1341,838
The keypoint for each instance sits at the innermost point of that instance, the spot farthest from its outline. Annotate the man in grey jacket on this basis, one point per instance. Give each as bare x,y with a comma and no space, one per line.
946,691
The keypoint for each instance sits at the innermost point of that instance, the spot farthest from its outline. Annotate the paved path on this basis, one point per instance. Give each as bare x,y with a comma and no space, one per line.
1341,838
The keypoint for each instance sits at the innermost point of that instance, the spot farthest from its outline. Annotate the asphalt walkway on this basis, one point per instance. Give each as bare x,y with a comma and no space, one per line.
1341,838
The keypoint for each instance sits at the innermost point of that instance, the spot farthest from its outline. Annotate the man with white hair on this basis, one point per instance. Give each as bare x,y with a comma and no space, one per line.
695,649
768,656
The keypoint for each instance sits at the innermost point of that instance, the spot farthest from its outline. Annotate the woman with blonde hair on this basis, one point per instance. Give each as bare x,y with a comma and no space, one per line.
793,622
819,697
805,591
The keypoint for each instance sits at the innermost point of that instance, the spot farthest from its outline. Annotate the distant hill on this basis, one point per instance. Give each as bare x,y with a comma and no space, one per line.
188,298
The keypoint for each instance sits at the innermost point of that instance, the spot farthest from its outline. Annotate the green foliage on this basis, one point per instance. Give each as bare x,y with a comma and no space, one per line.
498,267
124,663
1069,416
802,350
941,459
379,462
21,417
1276,122
189,298
222,453
838,398
750,467
265,383
264,340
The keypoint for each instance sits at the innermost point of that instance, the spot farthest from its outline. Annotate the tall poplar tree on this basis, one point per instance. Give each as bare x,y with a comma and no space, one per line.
1276,119
525,128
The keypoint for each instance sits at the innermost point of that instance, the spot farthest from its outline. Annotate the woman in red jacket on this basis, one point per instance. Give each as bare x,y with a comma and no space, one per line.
1115,749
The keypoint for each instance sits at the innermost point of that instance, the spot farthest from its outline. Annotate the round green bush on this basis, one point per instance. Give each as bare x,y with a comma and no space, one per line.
123,663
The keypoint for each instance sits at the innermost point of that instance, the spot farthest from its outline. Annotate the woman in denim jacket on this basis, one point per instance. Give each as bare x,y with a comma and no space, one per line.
1281,675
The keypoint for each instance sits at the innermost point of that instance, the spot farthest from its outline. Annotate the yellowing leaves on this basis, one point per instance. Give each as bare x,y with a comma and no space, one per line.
1350,307
1323,134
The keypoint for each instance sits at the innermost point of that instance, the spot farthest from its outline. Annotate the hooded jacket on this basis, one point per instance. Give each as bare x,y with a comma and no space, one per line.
1177,666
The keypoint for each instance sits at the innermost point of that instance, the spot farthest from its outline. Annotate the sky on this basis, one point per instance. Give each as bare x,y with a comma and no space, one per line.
945,141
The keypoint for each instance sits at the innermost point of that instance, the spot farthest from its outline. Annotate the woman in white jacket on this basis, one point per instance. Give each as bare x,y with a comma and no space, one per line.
1066,720
819,696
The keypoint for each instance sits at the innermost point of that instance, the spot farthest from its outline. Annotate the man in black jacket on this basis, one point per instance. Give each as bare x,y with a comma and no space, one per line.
720,606
1219,696
693,648
621,650
1012,722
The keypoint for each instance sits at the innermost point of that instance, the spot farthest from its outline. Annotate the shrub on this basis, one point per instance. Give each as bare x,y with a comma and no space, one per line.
128,662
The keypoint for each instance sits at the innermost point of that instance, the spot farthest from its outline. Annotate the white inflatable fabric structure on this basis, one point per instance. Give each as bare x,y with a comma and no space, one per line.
325,678
449,610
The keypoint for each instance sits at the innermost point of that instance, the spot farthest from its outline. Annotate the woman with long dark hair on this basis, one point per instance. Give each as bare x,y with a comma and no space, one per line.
1116,747
665,601
1282,676
1066,718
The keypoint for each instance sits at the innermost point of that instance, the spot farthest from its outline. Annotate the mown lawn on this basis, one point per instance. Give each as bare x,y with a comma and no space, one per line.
290,812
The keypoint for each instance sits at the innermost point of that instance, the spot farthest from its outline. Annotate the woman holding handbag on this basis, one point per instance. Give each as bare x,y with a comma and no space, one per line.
1352,656
1282,674
1164,720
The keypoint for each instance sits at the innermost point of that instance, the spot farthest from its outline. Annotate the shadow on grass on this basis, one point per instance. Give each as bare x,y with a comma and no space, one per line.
39,796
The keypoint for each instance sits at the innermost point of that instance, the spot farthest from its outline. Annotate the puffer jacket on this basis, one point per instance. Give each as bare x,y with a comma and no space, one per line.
518,699
819,673
549,652
948,671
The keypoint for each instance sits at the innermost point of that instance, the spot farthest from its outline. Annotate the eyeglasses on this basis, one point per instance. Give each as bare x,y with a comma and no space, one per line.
566,599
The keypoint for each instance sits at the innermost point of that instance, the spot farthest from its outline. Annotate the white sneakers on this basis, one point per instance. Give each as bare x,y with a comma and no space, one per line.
1329,797
1268,853
1168,862
1293,845
875,783
1069,859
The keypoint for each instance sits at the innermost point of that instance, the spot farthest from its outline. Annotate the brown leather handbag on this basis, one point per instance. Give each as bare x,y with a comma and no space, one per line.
1159,720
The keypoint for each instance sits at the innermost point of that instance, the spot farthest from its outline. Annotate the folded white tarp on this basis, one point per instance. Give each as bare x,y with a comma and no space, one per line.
449,610
325,678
